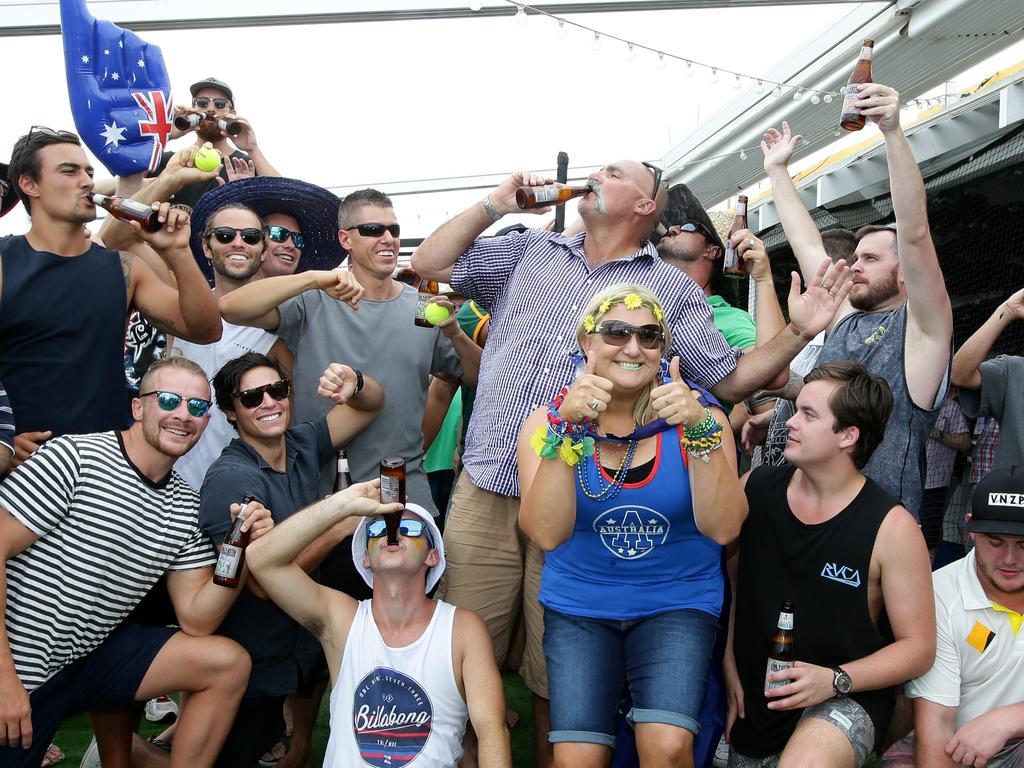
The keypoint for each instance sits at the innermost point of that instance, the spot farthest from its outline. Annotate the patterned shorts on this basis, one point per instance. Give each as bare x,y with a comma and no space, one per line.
843,713
902,753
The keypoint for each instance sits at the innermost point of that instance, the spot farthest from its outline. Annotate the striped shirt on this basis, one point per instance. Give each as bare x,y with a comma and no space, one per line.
536,284
107,533
6,420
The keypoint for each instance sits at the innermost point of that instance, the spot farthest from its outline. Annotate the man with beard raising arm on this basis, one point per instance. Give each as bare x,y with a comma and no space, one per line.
899,322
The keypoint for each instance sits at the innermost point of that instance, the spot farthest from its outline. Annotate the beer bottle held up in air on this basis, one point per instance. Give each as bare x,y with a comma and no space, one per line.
232,552
852,119
126,209
549,194
392,491
782,653
733,265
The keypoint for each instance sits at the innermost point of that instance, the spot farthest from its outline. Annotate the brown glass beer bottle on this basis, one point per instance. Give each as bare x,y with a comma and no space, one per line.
733,265
852,119
392,491
549,194
342,478
189,121
126,209
782,653
428,290
232,552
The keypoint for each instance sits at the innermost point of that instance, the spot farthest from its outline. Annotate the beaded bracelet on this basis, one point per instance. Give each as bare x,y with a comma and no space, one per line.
704,428
560,437
701,447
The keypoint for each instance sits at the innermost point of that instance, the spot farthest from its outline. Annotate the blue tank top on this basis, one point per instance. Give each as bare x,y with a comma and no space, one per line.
638,554
62,326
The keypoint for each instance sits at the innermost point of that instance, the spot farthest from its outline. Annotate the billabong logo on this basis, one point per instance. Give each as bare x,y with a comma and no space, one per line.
391,718
844,574
876,336
630,532
1006,499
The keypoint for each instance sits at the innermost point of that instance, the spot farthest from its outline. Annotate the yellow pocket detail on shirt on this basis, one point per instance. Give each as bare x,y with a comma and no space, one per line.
980,637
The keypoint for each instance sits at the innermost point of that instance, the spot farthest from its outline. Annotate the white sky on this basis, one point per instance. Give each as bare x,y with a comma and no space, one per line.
347,104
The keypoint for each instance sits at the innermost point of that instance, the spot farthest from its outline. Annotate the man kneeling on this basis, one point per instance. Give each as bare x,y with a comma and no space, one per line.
406,670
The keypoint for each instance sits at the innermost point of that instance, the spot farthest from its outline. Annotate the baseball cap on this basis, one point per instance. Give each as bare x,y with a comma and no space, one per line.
359,547
212,82
998,503
684,206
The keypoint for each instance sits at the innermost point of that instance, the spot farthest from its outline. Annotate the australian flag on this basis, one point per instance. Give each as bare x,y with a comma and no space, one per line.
119,88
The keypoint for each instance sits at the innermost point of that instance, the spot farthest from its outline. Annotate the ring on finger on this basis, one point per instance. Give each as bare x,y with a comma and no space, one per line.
750,242
594,403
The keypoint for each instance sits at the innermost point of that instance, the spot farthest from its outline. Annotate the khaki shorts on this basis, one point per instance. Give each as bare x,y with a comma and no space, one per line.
494,570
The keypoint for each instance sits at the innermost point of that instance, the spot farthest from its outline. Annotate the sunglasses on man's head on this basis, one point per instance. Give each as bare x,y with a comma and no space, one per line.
203,102
617,333
169,401
657,178
281,234
251,398
250,235
373,229
411,529
50,132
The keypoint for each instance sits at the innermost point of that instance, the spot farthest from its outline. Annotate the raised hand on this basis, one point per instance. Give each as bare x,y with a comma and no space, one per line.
778,147
810,312
751,249
588,395
504,196
675,402
880,104
338,383
175,233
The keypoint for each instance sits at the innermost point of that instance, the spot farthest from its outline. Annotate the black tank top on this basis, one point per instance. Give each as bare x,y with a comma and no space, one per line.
823,569
62,326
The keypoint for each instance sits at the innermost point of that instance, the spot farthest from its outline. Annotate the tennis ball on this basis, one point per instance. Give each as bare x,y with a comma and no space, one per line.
436,313
206,159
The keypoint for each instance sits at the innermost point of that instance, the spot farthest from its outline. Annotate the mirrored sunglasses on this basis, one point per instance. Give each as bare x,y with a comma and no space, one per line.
251,398
373,229
617,333
281,234
409,528
169,401
203,102
250,235
690,226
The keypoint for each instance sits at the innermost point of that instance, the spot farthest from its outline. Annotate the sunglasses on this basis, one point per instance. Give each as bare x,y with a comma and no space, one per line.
50,132
251,398
373,229
617,334
411,529
690,226
203,102
657,178
281,234
250,235
169,401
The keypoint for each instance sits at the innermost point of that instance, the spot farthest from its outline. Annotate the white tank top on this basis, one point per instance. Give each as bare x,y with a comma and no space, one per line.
397,706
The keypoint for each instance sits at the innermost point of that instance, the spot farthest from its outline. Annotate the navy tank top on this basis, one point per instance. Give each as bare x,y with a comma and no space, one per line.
62,326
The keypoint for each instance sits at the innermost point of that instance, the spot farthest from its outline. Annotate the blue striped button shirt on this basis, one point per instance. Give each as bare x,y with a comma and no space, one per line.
536,284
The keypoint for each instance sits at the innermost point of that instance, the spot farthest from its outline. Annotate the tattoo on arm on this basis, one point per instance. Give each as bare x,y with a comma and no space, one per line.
126,267
164,324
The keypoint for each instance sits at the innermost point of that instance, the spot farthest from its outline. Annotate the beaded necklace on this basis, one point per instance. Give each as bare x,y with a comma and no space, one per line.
610,491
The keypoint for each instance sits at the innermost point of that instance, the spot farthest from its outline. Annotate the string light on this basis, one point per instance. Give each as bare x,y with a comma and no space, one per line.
714,76
689,69
596,44
759,88
815,98
797,94
521,15
630,53
737,84
562,32
661,60
827,98
743,154
475,5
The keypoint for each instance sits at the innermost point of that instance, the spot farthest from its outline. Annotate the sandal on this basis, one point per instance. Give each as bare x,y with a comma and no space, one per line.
274,756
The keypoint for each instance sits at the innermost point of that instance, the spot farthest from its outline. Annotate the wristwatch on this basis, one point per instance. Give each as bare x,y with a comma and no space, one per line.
842,684
359,382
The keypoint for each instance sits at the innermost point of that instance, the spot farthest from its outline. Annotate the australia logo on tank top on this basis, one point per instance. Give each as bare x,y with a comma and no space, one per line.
391,718
631,532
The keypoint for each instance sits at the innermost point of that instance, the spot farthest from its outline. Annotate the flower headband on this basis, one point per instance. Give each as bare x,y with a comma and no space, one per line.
631,301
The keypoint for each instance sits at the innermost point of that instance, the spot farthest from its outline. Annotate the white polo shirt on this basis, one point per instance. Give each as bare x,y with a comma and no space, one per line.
979,662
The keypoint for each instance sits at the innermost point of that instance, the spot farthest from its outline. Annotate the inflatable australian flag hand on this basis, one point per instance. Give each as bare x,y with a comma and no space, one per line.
119,89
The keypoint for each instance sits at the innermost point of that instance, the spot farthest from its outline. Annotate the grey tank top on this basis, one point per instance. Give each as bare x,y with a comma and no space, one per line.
876,340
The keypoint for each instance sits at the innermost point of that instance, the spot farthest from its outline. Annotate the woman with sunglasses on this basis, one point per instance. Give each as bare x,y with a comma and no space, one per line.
633,526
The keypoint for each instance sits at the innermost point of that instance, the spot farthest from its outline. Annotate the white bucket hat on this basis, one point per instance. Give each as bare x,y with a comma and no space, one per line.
359,547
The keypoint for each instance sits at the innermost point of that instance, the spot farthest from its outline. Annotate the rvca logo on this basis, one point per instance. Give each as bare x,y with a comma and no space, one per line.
844,574
630,532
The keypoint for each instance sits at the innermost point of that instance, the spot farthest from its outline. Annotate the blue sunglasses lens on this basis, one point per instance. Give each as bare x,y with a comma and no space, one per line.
408,528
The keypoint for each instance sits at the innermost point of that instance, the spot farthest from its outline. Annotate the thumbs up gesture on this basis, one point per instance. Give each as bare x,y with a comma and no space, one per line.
588,396
675,402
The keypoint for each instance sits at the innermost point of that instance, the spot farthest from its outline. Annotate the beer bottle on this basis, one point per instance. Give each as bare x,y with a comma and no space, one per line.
126,209
783,650
342,478
428,290
852,119
232,552
191,120
392,491
229,124
733,265
549,194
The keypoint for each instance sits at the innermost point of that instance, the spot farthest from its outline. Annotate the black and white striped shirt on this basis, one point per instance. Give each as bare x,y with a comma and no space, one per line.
107,533
6,420
536,285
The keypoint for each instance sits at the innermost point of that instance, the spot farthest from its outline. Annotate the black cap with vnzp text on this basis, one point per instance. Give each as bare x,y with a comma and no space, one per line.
998,503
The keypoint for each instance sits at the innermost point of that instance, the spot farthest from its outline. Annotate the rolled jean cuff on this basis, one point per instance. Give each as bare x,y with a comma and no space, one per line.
581,737
664,717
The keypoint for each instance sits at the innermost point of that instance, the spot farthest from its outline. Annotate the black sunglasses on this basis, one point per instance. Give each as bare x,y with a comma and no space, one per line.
617,334
373,229
203,102
169,401
657,178
411,529
691,226
251,398
281,234
250,235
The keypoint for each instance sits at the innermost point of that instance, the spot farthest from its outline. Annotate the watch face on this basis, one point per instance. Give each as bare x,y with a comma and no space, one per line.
843,684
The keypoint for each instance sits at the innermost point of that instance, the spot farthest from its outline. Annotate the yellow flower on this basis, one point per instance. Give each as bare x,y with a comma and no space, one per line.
570,452
605,306
633,301
537,441
589,324
658,314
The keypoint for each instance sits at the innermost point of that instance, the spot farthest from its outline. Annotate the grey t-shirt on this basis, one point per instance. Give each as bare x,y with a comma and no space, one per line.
382,341
1001,396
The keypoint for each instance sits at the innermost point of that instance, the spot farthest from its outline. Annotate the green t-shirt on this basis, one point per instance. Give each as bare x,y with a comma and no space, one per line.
735,324
442,451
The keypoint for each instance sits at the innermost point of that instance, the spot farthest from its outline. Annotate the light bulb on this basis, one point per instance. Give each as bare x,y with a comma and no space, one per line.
661,60
561,32
475,5
520,15
815,98
630,53
827,98
714,76
759,88
596,45
737,84
743,154
778,90
689,69
797,94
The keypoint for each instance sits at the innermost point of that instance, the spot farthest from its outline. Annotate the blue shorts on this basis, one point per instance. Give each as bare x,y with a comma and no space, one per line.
105,678
663,658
